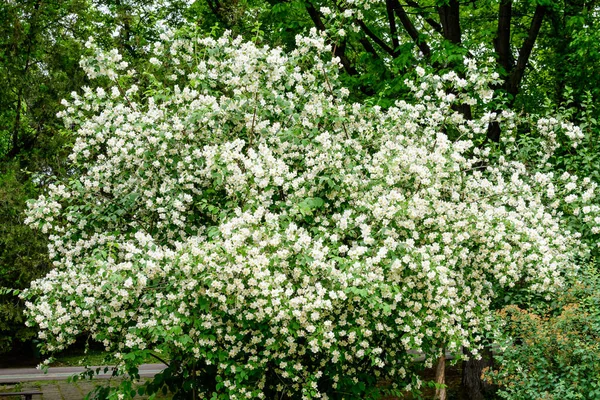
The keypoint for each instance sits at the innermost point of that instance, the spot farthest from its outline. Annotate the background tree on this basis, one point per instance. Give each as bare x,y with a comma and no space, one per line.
40,49
38,66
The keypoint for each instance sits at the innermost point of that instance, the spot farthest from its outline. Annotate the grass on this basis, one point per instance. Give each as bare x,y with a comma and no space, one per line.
79,358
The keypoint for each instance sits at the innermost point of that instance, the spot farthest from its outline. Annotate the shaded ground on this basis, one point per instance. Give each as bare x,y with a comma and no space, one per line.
28,357
56,387
20,357
453,379
453,387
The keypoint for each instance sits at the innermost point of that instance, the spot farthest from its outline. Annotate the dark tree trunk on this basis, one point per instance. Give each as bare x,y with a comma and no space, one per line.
502,41
17,127
514,72
450,19
475,387
516,76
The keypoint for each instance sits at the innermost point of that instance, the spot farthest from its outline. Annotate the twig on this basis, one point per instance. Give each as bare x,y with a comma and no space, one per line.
331,92
160,359
251,133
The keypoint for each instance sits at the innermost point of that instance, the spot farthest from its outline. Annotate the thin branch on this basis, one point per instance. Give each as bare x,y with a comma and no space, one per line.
315,16
124,94
160,359
433,23
333,96
251,134
368,47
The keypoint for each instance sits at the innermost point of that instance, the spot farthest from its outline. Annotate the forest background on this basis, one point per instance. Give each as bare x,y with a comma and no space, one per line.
547,54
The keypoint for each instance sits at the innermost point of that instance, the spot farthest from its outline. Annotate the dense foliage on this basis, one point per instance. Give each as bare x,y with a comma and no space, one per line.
553,352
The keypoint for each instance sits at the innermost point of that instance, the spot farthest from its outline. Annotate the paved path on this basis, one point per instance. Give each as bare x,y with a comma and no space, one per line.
16,375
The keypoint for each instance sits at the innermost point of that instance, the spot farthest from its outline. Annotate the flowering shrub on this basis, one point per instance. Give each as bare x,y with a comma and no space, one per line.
572,166
273,238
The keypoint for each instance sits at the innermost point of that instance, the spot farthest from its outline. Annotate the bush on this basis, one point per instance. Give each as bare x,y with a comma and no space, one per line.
230,207
553,352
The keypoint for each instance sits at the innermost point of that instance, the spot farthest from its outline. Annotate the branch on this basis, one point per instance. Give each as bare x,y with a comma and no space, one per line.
376,39
160,359
315,16
433,23
333,97
450,18
517,74
389,5
410,29
368,47
513,81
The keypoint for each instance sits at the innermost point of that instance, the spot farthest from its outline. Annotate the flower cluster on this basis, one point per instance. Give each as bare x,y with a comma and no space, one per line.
240,211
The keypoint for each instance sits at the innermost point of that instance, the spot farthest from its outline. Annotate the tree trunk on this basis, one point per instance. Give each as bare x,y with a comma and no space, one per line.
440,377
475,387
450,19
17,125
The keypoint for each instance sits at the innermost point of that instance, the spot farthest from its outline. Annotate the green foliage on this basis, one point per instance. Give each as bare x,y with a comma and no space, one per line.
276,239
36,71
22,258
552,351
